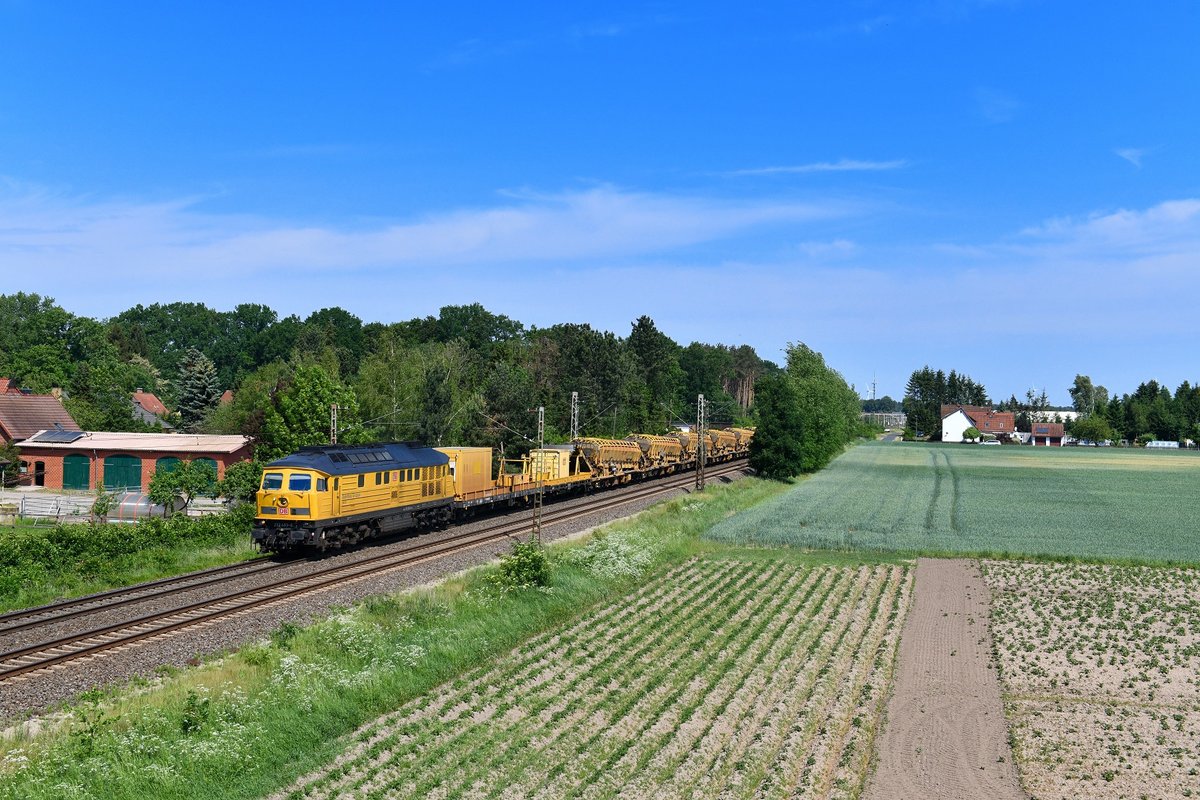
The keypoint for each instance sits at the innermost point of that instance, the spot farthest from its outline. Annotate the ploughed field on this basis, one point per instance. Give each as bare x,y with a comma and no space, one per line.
1083,502
1100,666
722,677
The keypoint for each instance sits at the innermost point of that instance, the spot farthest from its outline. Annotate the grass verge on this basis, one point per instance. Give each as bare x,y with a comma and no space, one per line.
44,564
249,723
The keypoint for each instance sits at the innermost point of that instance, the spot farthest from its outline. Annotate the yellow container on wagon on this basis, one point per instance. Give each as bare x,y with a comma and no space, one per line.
470,468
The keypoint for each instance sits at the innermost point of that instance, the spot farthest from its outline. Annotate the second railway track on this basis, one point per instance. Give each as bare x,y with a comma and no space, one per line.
42,655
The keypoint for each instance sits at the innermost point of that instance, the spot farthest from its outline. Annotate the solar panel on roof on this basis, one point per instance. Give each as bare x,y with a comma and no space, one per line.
57,437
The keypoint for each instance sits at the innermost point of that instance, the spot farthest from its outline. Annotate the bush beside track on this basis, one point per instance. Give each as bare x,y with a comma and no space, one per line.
40,565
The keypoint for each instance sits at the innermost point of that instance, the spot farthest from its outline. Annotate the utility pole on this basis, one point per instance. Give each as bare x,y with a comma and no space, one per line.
574,416
701,449
539,464
333,409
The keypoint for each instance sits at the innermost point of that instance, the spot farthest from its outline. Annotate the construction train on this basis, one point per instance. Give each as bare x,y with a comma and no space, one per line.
333,496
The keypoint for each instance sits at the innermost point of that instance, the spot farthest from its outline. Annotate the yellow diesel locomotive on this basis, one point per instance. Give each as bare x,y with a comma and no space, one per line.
338,495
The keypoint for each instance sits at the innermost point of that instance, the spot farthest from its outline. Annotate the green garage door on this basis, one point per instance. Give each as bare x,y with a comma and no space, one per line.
122,472
77,472
211,465
166,464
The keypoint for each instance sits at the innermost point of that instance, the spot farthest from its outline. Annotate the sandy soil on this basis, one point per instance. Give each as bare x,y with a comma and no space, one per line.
945,735
1101,671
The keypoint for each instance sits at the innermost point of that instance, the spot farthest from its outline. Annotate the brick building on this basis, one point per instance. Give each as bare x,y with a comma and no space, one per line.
60,459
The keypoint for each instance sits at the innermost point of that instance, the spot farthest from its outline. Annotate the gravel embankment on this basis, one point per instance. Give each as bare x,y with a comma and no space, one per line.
45,689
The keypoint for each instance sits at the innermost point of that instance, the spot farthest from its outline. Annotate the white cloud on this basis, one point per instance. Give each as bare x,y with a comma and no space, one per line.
844,165
75,239
1131,154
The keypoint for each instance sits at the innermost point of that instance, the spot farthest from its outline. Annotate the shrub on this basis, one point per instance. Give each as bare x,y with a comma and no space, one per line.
525,567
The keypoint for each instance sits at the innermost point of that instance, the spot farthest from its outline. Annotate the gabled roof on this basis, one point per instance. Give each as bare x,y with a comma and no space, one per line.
150,402
984,418
23,415
1051,429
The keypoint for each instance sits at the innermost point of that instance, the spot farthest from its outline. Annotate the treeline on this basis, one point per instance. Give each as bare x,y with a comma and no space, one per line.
806,416
1151,412
466,376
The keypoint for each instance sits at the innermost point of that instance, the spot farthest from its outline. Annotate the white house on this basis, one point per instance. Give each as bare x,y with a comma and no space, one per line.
956,420
955,425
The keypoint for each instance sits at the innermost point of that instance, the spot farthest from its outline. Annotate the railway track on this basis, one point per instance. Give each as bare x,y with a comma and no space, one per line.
93,641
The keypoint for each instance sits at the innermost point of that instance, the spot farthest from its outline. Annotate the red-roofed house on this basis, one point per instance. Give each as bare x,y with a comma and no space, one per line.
1049,434
22,415
957,418
150,402
149,409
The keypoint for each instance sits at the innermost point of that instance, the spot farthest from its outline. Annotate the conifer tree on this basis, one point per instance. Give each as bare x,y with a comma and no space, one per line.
198,388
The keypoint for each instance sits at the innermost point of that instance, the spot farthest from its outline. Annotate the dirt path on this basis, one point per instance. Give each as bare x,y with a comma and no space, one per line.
945,734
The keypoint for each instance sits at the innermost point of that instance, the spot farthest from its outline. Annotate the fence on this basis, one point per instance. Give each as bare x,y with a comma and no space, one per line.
55,508
51,508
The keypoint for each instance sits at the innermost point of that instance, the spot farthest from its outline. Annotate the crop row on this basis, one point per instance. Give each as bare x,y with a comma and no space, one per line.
1101,671
722,678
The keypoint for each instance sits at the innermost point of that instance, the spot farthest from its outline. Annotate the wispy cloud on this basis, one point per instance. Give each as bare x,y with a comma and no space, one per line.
844,165
1131,154
995,106
72,239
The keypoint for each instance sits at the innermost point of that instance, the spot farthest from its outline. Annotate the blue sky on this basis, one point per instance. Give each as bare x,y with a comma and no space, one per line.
1010,189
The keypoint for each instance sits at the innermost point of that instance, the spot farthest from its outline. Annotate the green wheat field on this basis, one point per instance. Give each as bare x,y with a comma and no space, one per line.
1049,502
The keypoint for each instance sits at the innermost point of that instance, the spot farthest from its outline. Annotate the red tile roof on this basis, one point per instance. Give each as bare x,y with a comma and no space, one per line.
150,402
23,415
984,418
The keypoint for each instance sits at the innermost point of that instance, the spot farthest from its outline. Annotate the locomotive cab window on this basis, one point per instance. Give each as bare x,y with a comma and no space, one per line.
272,481
362,480
322,485
378,478
300,483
